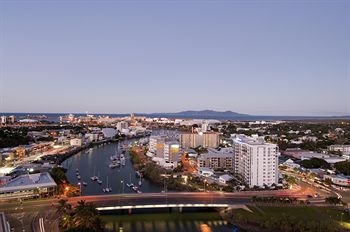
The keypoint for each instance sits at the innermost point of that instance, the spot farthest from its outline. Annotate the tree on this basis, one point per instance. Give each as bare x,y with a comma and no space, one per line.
67,222
343,167
63,207
315,163
86,217
333,200
83,218
328,181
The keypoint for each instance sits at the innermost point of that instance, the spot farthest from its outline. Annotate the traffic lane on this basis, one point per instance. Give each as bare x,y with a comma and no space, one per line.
148,196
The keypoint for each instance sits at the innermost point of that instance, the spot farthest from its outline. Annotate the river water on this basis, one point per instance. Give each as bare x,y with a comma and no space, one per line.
167,222
95,162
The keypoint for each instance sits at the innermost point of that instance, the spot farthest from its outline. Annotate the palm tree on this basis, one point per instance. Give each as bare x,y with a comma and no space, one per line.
86,217
67,222
63,207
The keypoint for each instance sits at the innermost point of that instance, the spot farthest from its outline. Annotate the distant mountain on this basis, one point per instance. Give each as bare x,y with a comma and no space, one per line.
204,114
230,115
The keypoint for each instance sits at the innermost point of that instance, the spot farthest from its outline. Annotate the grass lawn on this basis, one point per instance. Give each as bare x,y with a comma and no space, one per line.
312,213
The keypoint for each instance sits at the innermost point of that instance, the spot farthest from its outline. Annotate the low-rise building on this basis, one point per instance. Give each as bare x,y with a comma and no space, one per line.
92,137
204,171
334,159
340,180
28,186
289,163
344,149
216,160
224,179
77,142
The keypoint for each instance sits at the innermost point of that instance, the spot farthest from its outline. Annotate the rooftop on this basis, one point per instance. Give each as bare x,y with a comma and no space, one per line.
29,181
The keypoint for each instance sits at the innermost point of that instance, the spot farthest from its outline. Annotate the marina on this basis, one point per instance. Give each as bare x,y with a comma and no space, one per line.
94,167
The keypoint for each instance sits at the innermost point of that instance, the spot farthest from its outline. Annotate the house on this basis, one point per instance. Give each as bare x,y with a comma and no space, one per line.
290,164
203,171
224,179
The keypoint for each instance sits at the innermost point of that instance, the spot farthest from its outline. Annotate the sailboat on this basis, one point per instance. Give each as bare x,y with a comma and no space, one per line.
98,178
94,177
122,159
130,185
107,189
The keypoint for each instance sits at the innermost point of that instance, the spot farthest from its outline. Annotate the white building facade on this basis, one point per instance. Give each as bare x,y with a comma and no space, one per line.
256,161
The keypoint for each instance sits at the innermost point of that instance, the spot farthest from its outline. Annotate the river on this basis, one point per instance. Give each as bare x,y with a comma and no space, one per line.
95,162
169,222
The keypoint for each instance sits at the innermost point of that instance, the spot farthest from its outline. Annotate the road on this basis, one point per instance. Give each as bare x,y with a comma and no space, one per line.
316,188
22,215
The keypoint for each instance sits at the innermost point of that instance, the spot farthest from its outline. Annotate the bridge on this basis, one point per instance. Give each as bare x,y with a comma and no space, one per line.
176,200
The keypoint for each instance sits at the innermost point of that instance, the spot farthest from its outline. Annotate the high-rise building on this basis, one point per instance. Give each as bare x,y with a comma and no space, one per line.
164,151
192,140
171,151
11,119
122,125
7,119
256,161
3,119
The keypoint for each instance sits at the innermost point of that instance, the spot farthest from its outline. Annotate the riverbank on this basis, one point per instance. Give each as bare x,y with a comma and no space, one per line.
62,157
289,218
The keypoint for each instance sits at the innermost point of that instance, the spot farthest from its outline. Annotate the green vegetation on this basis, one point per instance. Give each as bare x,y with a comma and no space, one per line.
163,177
13,138
288,219
333,200
272,199
58,174
315,163
290,179
343,167
63,185
84,217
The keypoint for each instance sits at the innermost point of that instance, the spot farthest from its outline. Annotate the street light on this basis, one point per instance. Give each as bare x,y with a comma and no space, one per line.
79,188
341,219
205,181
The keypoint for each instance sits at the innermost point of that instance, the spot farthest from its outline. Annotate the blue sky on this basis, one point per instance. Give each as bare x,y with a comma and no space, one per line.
255,57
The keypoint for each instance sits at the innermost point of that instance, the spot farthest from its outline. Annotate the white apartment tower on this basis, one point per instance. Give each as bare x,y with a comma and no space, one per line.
122,125
256,161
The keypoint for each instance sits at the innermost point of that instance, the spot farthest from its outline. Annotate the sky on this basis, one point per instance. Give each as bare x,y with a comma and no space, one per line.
253,57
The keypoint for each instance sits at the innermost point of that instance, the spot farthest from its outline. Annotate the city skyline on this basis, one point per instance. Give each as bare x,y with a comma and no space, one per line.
285,58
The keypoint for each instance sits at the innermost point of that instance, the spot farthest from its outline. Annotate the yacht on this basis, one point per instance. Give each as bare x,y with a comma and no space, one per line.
107,189
122,159
94,177
114,164
136,189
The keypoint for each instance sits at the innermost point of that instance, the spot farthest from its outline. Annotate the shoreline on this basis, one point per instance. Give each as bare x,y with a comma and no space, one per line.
66,156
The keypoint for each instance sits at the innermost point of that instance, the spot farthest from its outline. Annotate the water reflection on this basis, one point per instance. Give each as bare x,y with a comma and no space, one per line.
170,222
